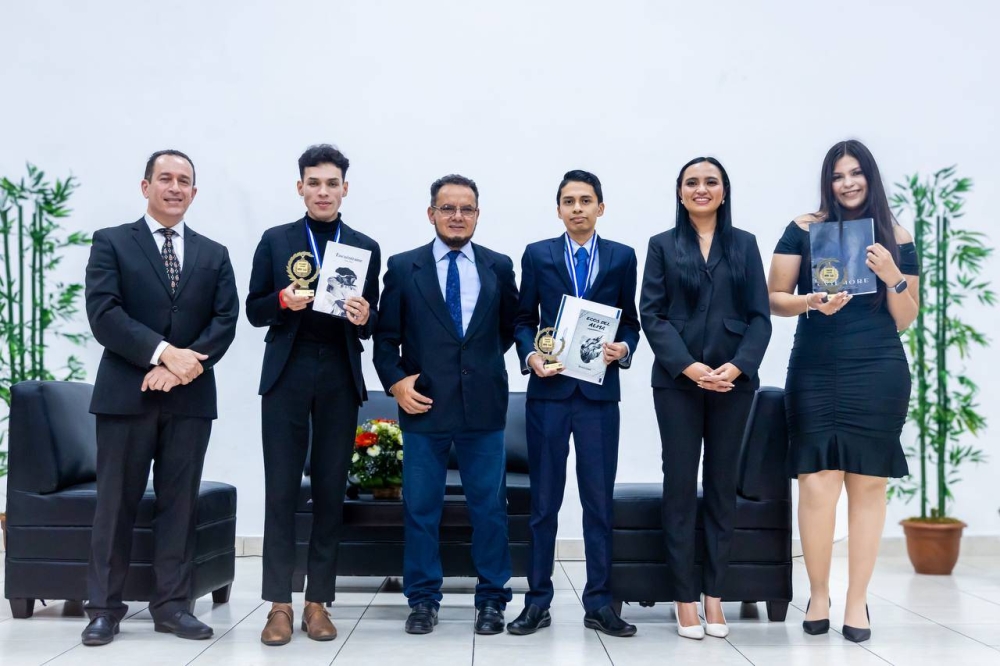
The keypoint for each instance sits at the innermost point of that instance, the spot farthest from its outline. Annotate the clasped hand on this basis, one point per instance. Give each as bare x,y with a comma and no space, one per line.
407,396
720,379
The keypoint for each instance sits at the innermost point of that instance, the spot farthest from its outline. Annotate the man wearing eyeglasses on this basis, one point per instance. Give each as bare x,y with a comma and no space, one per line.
446,319
581,264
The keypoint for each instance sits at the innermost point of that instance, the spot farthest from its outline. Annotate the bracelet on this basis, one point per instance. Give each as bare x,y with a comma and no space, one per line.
807,306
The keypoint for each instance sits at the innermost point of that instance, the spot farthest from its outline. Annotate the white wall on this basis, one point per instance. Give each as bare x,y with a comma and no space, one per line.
512,94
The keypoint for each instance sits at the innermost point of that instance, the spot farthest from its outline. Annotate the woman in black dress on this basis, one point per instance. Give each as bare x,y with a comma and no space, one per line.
848,384
704,308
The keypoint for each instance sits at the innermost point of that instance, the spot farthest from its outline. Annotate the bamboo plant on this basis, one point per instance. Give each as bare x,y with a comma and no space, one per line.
35,308
943,405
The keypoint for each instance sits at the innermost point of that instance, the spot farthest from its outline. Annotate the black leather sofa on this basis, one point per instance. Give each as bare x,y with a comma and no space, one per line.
760,566
372,537
51,498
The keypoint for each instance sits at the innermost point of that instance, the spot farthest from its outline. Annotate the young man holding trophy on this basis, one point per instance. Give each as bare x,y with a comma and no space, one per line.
311,382
600,275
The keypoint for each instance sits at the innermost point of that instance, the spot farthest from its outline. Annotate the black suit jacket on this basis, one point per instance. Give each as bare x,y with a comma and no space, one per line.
544,280
719,329
131,310
269,276
465,377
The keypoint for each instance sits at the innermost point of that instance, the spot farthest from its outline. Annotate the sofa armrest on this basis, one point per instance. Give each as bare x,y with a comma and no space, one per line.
763,470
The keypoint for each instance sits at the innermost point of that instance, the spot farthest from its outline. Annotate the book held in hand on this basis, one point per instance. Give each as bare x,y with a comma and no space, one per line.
839,250
342,276
585,326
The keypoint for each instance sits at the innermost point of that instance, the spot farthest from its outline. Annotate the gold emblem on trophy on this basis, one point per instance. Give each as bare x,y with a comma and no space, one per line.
829,275
302,272
545,345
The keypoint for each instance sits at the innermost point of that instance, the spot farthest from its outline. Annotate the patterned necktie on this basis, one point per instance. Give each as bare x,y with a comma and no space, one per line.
170,259
581,271
453,292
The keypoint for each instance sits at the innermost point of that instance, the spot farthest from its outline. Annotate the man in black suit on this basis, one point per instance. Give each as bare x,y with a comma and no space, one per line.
445,321
161,299
311,378
581,264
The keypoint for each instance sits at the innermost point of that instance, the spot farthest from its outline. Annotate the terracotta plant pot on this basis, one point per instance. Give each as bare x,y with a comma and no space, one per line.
388,492
933,547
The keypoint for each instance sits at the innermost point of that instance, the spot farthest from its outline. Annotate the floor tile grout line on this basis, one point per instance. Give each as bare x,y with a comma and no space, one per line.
580,599
224,634
385,580
73,647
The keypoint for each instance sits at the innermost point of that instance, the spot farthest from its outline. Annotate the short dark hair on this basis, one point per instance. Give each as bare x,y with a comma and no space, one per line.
151,162
581,176
453,179
323,153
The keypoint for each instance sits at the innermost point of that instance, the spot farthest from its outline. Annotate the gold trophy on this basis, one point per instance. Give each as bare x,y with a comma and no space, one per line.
545,345
830,275
302,272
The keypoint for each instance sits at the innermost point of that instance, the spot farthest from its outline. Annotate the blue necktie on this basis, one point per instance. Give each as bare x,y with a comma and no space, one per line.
453,292
581,271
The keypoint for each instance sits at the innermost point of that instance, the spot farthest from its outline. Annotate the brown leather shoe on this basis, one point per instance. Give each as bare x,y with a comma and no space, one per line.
278,629
316,622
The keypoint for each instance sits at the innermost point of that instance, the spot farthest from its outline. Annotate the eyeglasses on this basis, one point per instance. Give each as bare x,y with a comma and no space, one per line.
449,211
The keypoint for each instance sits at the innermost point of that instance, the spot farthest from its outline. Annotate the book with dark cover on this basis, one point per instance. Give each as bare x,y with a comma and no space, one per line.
839,250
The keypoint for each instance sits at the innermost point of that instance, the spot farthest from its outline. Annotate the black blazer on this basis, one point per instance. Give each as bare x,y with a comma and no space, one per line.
718,330
465,377
131,310
544,280
269,276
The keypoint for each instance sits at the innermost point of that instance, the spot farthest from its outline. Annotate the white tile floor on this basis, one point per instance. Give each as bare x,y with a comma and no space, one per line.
916,620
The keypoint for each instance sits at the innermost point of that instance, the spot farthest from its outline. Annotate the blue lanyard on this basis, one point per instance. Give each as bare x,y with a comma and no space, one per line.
578,289
312,243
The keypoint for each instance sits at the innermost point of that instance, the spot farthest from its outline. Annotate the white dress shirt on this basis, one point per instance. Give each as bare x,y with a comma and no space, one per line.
178,242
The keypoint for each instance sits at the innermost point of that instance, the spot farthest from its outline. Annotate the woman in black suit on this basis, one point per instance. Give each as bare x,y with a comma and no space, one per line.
848,384
705,310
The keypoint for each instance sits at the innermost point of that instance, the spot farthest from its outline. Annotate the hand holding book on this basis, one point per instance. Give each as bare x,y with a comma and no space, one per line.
880,261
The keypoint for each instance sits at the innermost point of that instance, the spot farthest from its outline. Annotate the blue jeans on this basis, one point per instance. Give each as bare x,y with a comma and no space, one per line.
482,464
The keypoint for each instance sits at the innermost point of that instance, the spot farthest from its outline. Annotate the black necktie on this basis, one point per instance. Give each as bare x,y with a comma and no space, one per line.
170,259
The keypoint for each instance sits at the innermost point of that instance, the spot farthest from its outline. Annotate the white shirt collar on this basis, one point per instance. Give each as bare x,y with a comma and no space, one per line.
440,250
576,246
155,225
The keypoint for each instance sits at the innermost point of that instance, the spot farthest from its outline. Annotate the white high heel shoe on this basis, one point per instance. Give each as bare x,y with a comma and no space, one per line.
717,630
695,631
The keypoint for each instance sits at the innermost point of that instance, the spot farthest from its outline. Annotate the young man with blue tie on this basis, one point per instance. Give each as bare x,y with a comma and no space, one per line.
446,319
582,264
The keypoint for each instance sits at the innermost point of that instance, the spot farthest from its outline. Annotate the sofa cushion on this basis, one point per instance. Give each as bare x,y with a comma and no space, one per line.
53,441
638,506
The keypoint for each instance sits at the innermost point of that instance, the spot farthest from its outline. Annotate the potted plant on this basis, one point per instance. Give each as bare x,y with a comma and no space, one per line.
943,407
32,305
377,463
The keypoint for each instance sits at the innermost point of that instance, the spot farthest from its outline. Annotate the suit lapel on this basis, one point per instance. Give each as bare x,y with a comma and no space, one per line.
604,258
192,244
142,236
558,249
714,254
426,279
487,290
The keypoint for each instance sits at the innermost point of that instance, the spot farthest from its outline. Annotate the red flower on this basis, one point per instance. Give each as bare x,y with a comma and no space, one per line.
365,439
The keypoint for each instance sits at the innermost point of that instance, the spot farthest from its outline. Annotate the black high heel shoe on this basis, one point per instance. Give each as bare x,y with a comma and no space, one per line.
817,627
856,635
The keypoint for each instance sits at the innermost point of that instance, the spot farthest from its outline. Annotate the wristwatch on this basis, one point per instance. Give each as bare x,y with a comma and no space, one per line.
901,287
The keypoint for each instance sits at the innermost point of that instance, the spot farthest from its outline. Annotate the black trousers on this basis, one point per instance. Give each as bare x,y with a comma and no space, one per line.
315,390
686,418
127,446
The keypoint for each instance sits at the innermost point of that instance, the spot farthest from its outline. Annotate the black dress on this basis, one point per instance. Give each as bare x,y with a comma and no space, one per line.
848,383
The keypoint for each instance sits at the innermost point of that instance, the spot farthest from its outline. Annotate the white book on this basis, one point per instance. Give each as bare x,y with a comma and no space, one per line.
583,327
341,277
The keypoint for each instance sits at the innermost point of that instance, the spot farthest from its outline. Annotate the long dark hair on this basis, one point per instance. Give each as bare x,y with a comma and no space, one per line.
689,264
876,204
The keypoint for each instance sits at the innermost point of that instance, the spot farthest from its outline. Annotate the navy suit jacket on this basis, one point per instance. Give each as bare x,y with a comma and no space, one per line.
465,377
269,276
131,310
724,327
544,280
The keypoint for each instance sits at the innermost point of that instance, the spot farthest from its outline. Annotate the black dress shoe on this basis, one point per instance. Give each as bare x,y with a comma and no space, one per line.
422,618
100,631
815,627
606,619
489,618
856,635
531,619
183,625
